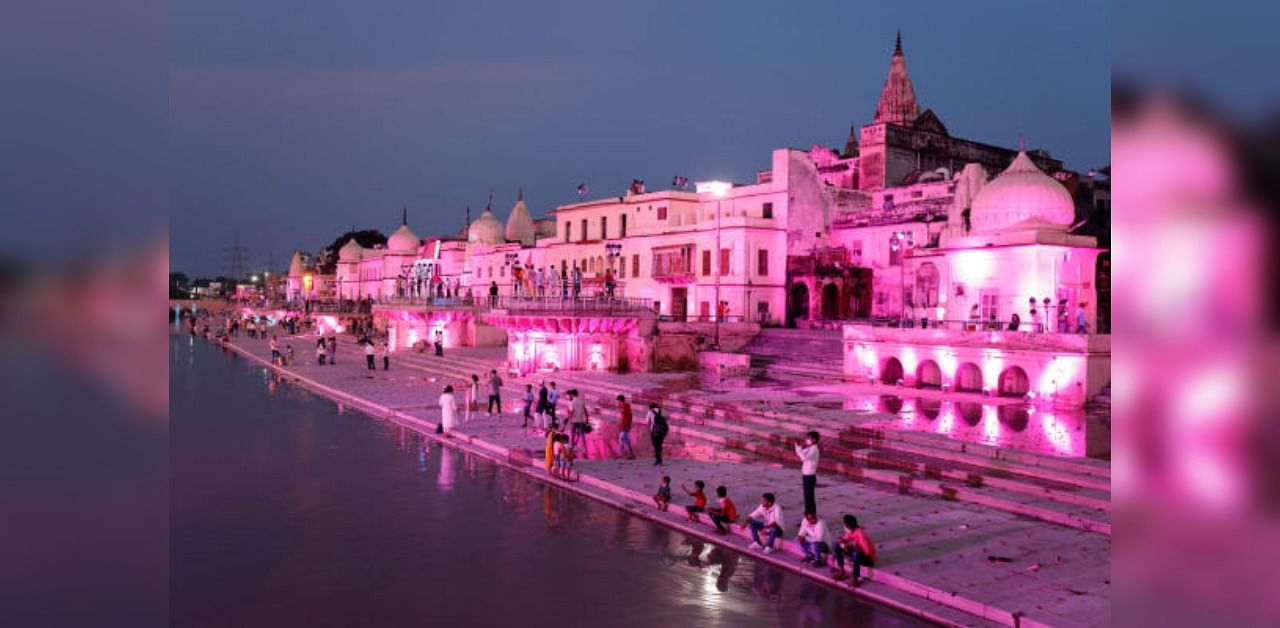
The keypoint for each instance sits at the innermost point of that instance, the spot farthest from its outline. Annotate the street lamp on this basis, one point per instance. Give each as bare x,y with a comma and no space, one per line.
902,241
717,189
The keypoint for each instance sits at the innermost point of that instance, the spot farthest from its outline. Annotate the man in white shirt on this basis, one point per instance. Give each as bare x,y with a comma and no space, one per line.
808,454
814,539
767,516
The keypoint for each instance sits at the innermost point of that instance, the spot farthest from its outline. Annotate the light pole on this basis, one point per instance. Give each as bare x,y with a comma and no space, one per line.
718,189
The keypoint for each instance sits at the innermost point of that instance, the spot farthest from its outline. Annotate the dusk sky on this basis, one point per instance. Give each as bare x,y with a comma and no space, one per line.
291,121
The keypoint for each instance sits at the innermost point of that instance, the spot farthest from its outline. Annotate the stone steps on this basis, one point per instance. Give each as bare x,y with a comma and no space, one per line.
756,435
1081,508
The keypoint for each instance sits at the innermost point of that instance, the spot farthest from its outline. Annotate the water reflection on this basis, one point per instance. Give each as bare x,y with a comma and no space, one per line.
448,467
1025,427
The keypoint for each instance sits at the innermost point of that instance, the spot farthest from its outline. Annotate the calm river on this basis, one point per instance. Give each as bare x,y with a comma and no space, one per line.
286,511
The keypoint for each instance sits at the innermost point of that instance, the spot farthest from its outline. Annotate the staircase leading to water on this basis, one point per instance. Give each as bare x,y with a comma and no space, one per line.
805,354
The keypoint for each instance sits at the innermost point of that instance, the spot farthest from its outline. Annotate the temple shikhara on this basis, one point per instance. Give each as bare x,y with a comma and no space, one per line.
945,262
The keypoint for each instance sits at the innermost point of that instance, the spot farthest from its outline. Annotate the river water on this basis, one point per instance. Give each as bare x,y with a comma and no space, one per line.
287,511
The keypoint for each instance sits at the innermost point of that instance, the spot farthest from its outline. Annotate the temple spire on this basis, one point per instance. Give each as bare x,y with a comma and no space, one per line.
404,215
520,194
898,99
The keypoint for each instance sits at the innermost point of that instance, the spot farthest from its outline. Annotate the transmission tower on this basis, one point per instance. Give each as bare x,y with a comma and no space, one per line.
234,257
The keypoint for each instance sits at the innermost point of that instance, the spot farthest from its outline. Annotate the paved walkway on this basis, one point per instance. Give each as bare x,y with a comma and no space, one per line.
936,556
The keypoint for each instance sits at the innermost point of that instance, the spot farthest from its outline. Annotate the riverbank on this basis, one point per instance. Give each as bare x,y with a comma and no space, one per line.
954,563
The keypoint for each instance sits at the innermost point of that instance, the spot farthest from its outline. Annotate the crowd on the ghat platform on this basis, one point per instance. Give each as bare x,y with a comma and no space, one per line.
569,437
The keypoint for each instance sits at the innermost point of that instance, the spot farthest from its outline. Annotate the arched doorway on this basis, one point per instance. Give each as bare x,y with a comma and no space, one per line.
892,371
830,301
799,307
926,285
928,375
968,378
1013,382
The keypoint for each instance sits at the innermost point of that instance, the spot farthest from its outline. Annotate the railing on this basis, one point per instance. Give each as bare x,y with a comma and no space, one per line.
959,325
599,305
702,318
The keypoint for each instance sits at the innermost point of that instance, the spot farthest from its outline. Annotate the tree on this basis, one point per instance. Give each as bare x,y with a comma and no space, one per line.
178,285
327,258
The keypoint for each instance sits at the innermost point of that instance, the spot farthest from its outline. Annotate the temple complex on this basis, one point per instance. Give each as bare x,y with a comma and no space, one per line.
912,241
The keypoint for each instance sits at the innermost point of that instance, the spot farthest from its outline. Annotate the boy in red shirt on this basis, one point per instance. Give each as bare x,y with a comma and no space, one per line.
727,512
855,544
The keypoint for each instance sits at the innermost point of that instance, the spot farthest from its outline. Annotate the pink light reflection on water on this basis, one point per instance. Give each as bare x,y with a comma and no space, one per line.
1053,432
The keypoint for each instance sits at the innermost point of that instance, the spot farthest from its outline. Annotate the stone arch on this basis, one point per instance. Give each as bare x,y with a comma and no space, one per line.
1013,382
891,372
968,378
928,375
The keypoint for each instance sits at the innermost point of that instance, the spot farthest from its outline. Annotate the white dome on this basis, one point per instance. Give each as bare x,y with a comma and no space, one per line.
404,239
351,251
487,229
520,223
1020,194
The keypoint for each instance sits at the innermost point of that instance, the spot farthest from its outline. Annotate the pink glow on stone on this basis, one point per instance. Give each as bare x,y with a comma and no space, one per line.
992,365
974,266
947,420
990,425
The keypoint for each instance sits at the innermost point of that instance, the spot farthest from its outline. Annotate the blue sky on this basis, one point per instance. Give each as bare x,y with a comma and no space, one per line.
290,121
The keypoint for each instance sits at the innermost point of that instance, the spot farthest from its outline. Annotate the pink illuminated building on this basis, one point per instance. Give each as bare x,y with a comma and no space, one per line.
906,225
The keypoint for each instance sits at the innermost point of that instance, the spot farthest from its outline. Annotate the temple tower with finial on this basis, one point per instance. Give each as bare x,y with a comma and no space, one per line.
898,98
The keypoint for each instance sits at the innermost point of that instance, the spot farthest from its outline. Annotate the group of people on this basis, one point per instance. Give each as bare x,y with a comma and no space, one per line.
1040,317
766,524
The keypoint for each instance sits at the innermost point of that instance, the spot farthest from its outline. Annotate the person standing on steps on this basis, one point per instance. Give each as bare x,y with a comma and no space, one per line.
368,355
333,350
624,428
473,396
540,409
448,410
658,429
439,344
528,405
493,294
495,392
386,355
808,454
578,421
553,397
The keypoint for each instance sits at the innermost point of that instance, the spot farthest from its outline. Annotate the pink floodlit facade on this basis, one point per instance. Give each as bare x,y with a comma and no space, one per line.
1061,369
906,222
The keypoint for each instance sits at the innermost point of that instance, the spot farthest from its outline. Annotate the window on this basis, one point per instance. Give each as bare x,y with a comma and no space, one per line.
584,229
566,230
624,226
635,265
895,251
604,227
706,262
622,267
673,260
762,311
724,262
767,210
704,310
662,213
762,262
990,305
502,271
